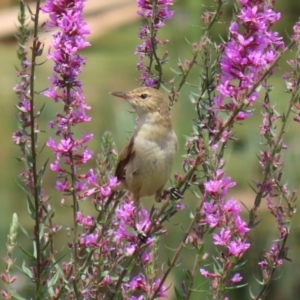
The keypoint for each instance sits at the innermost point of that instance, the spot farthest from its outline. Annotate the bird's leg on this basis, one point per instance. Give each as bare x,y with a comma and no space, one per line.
137,205
173,192
140,231
160,194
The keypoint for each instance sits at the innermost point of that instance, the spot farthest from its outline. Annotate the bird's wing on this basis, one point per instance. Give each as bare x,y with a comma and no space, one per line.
125,157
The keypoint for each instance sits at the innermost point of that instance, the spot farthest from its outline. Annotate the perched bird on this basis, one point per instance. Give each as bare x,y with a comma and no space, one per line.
146,162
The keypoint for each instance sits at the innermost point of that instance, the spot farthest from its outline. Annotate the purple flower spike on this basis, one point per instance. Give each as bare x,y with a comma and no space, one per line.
251,49
66,87
155,13
222,214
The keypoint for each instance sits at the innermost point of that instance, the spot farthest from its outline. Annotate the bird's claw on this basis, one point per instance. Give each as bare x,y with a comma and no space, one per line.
173,192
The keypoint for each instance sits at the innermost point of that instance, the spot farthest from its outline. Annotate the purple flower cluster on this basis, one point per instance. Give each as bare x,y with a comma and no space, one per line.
296,32
128,225
67,16
140,284
219,213
250,51
156,13
291,78
272,259
125,238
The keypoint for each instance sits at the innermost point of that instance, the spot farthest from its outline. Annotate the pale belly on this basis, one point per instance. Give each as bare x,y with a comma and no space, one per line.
151,166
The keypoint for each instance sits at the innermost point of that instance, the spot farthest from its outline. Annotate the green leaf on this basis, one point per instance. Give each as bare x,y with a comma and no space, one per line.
41,292
14,294
176,72
54,279
27,271
55,264
104,273
41,110
200,252
288,225
23,188
42,170
179,295
30,207
41,234
24,231
236,286
13,230
188,276
28,255
20,108
168,262
165,88
205,139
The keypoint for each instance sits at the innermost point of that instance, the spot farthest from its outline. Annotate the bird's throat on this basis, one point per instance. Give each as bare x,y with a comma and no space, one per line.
155,128
154,119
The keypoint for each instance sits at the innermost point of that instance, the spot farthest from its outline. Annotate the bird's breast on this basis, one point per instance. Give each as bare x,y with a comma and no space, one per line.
154,156
153,161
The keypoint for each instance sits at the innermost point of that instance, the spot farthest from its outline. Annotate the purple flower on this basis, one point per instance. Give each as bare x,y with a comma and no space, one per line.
212,214
130,250
224,214
296,32
219,185
207,274
63,186
222,238
237,248
90,240
105,191
162,291
120,233
236,278
113,182
137,283
155,17
66,87
92,177
251,49
204,272
127,212
146,257
87,221
241,226
232,207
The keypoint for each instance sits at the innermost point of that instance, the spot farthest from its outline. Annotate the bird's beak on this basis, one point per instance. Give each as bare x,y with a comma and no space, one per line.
123,95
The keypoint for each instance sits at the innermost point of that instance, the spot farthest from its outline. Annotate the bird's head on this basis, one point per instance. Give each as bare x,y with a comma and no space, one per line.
145,100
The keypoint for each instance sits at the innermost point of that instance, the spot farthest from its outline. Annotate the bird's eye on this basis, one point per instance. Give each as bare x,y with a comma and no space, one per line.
144,96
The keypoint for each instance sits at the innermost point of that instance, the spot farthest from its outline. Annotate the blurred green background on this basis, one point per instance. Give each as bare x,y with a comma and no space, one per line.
111,66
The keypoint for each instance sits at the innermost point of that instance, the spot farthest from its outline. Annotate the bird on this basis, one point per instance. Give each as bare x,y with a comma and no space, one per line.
145,163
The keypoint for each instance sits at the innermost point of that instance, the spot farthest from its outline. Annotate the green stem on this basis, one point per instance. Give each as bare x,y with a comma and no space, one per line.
260,195
178,250
34,171
197,52
263,291
193,274
153,45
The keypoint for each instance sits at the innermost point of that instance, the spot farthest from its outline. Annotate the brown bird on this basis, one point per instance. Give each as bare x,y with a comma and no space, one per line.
146,162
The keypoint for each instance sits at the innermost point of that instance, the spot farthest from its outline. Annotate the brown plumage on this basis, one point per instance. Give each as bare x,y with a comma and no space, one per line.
146,162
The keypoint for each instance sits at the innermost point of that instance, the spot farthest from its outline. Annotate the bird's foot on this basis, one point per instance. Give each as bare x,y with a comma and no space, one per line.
143,237
173,192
